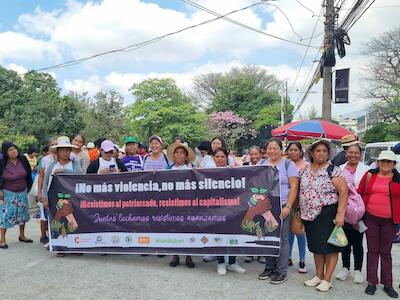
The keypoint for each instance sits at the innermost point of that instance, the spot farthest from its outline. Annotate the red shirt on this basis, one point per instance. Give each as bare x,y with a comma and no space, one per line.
379,202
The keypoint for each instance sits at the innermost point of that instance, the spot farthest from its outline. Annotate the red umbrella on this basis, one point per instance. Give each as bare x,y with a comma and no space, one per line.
300,130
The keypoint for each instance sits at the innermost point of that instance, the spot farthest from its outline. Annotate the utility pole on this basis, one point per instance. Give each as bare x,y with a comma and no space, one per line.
327,71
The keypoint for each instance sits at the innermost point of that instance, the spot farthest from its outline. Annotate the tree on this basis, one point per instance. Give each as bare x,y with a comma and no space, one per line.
22,141
382,75
383,132
105,116
250,92
161,108
231,127
33,106
312,113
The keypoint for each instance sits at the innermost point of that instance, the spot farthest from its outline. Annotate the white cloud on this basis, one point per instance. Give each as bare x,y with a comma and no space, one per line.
41,22
17,68
22,48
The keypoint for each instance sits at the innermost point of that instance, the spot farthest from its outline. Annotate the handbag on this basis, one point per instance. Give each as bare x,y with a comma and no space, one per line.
296,225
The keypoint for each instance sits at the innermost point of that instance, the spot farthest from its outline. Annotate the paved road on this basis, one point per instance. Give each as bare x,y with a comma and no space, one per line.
28,271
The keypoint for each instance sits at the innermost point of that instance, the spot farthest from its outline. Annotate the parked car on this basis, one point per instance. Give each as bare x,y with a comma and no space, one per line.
372,151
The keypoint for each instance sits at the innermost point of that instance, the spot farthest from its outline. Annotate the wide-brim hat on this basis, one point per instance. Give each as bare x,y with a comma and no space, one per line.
63,142
349,140
328,143
171,150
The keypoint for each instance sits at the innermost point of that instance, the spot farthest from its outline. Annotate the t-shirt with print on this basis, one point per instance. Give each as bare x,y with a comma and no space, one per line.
160,163
133,163
106,164
284,174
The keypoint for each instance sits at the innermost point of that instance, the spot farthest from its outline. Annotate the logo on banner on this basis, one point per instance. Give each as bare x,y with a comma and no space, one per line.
144,240
169,241
99,239
129,239
192,239
218,240
115,239
233,242
77,240
204,239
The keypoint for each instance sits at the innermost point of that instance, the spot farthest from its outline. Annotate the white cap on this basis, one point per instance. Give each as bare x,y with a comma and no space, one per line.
387,155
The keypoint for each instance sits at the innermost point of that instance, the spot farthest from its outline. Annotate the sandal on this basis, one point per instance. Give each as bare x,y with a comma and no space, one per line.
26,240
5,246
174,262
60,255
189,262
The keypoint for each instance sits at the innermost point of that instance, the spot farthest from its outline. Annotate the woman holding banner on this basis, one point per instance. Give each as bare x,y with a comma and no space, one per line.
182,158
63,163
220,158
276,267
323,202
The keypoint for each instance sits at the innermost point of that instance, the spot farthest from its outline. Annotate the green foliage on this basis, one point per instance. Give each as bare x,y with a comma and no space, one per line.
33,106
383,132
105,116
161,108
22,141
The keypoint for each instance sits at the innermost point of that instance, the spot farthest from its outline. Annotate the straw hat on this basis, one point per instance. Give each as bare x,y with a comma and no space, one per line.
63,142
350,140
171,150
331,148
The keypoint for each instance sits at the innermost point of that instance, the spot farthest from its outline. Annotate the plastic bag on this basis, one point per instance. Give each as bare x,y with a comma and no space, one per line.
338,237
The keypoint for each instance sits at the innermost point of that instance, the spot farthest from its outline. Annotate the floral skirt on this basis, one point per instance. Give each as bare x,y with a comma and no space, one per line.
14,209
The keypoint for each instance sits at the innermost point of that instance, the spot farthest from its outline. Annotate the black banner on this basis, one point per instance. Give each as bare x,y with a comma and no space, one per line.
230,211
342,86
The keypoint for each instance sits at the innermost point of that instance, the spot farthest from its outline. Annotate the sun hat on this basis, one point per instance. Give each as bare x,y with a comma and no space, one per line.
156,137
107,146
171,150
328,143
349,140
130,139
387,155
90,145
63,142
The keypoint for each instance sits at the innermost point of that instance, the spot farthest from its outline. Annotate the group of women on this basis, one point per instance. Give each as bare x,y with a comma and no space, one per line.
320,191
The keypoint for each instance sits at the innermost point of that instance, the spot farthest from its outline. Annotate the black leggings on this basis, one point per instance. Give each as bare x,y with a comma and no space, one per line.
355,239
232,259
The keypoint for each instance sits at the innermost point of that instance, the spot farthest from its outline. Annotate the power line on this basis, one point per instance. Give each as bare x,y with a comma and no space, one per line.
305,55
194,4
154,40
301,4
355,13
141,44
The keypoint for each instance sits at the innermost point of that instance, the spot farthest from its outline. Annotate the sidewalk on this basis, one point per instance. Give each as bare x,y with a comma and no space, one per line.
28,271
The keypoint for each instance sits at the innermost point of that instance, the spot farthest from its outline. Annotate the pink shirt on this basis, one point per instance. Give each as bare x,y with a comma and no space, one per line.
379,202
301,164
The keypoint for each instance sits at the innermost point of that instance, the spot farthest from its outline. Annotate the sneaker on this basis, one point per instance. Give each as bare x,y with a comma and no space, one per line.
371,289
302,267
262,259
343,274
221,269
290,262
391,292
248,259
358,277
209,258
44,239
278,278
324,286
266,274
236,268
313,282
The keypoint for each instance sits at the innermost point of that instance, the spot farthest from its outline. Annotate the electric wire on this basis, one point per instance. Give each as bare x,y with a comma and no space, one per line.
154,40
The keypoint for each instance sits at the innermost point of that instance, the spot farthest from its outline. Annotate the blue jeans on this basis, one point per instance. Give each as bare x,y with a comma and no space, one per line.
301,243
280,264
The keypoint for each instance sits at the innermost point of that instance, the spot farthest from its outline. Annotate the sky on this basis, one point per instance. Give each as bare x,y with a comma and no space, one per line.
38,34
